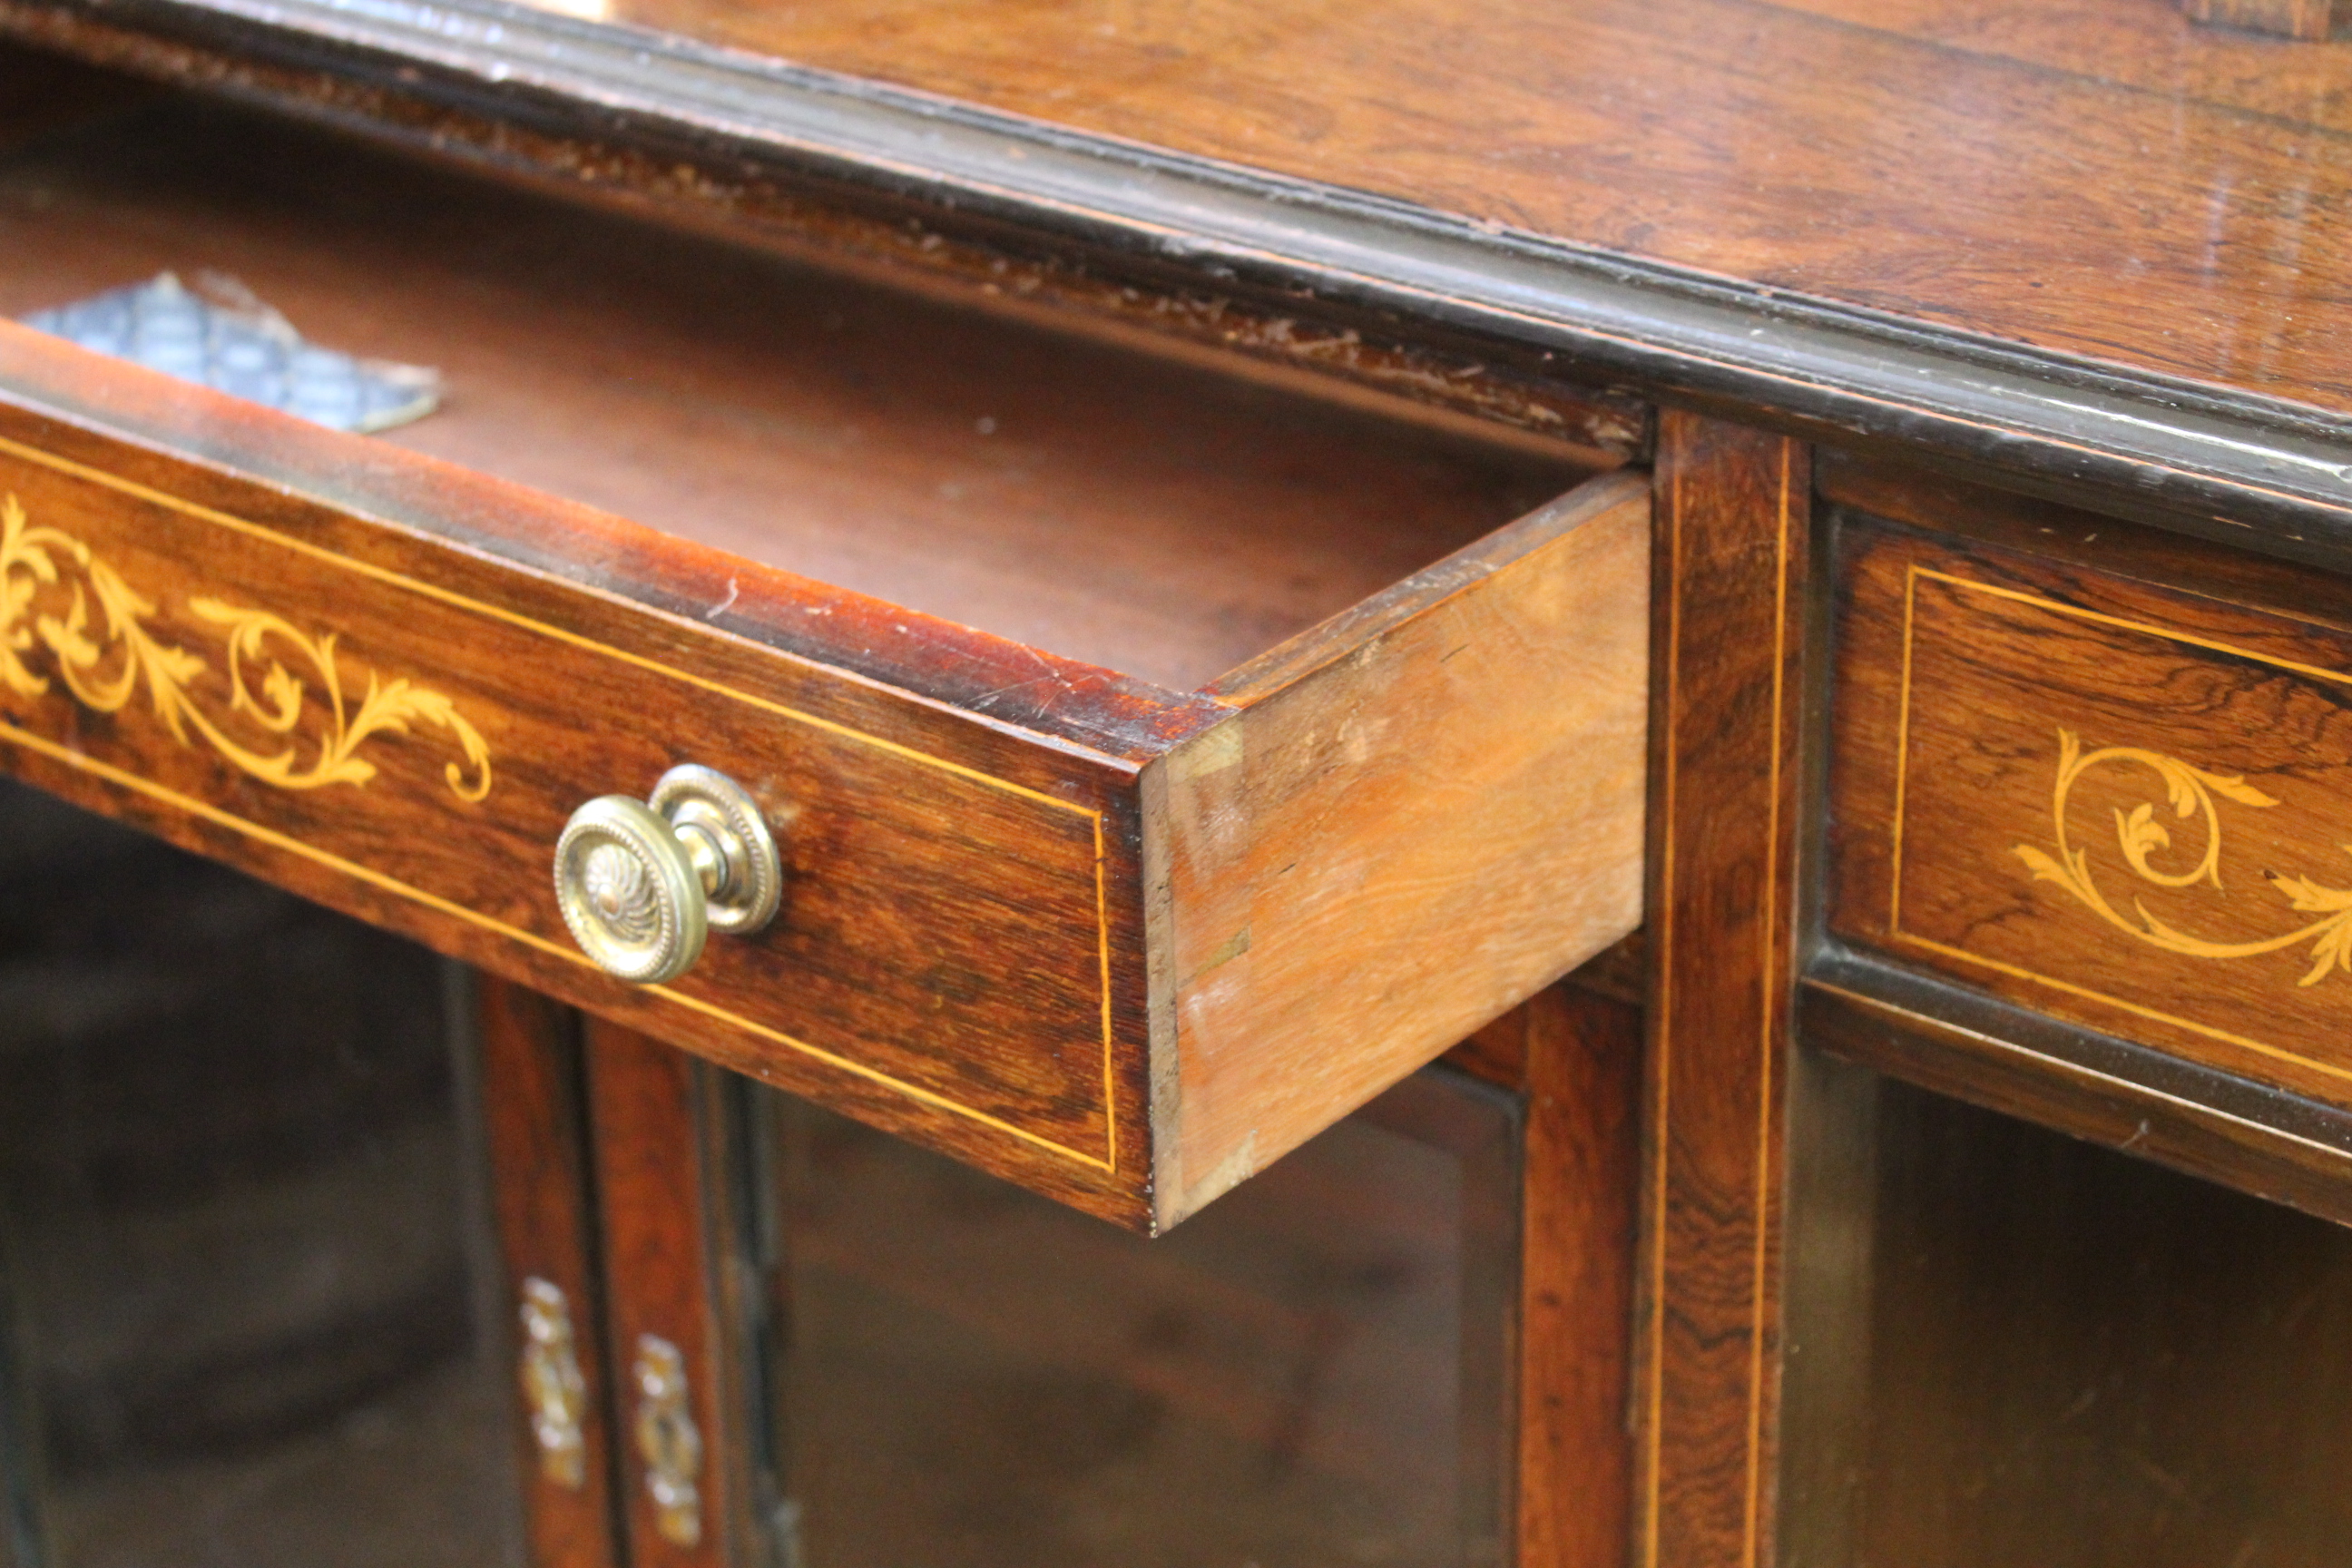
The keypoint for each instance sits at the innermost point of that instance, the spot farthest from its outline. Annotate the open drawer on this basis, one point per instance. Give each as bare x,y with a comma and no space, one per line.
1372,775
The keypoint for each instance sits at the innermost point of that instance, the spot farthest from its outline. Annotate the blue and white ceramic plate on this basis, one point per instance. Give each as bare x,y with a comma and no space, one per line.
226,339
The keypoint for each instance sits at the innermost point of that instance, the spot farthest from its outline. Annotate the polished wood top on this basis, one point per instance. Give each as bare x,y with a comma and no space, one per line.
2094,177
2085,244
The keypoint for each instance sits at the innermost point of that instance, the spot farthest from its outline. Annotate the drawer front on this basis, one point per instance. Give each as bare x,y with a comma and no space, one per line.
400,726
2120,804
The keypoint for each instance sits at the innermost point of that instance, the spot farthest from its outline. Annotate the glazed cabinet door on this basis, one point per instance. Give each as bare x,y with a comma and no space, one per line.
292,1250
1406,1343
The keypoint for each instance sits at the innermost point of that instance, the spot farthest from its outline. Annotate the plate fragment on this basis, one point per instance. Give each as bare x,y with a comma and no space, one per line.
225,338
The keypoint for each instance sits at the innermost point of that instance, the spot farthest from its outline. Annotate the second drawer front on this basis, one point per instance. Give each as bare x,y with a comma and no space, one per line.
402,729
2109,802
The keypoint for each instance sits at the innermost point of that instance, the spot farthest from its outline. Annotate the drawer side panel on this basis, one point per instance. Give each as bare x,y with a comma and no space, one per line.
1394,846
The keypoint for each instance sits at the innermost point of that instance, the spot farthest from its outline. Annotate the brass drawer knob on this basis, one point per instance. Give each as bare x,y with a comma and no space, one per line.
643,883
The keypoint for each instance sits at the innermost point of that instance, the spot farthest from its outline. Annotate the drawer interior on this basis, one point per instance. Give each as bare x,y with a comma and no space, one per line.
1131,512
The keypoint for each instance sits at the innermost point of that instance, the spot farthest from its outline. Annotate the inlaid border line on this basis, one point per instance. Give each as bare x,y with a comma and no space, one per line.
276,840
1108,1163
514,617
1772,1004
1662,959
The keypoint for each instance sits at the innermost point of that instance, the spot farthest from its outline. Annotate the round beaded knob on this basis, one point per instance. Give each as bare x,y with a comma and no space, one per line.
642,884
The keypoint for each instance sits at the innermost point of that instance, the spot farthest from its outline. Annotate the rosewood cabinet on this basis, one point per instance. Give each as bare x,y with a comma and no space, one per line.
1621,722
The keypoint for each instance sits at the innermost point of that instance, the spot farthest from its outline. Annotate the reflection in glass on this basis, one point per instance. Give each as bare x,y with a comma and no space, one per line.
2033,1349
1310,1373
245,1245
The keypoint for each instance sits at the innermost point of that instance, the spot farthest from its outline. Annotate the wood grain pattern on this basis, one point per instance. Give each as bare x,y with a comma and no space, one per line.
2306,19
2100,798
1574,1052
1838,157
1189,224
1169,222
1728,689
2121,44
643,1104
1343,864
1580,1216
1973,503
532,1093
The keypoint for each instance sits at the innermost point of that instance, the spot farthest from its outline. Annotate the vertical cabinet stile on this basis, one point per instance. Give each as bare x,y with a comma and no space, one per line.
536,1125
662,1337
1730,557
1578,1198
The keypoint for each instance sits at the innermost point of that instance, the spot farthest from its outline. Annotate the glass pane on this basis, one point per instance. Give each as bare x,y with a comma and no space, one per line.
1311,1371
2063,1354
243,1216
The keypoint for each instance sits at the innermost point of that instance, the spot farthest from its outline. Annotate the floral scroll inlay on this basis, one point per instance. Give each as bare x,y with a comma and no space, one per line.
2141,834
104,652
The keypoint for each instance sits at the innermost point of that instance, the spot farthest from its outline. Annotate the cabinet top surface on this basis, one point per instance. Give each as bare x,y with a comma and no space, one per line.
2097,178
2086,241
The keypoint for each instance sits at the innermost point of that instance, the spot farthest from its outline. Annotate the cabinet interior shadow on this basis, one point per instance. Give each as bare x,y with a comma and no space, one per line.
244,1304
2075,1356
1312,1372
